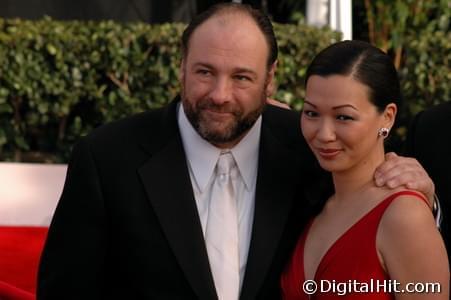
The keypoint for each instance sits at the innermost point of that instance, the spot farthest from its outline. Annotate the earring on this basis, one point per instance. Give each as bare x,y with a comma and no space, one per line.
383,132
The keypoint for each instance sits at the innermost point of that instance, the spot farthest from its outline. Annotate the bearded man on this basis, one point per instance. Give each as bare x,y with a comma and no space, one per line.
201,199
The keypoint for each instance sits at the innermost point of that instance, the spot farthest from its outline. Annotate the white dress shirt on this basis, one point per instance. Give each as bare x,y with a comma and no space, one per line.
202,156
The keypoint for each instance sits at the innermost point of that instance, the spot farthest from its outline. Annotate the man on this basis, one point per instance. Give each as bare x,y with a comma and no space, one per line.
430,143
138,218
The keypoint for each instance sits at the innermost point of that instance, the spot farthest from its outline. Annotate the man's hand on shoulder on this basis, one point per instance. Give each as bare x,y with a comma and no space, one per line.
277,103
399,171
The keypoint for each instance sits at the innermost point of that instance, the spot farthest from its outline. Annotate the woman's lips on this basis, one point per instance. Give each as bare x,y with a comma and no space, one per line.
328,153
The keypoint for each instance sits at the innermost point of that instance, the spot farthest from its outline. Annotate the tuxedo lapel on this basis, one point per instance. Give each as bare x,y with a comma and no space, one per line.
276,181
167,183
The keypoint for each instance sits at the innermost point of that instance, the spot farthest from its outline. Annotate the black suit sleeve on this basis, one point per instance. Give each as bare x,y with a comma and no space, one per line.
409,146
429,141
74,254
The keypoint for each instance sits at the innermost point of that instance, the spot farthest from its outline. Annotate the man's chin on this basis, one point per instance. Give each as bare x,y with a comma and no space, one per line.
219,123
216,134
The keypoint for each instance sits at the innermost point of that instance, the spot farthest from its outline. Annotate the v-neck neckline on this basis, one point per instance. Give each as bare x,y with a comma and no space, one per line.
339,238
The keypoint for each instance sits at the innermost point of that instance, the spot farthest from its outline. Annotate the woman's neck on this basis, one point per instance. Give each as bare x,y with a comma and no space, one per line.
357,179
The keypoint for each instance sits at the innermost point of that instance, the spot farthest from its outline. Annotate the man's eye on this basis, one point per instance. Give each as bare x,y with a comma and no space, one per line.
310,113
242,78
203,72
344,118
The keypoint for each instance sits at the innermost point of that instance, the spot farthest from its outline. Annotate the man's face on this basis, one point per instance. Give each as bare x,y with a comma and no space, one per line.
225,78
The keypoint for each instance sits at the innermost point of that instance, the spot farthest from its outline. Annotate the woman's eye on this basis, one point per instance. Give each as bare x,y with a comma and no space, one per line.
310,113
344,118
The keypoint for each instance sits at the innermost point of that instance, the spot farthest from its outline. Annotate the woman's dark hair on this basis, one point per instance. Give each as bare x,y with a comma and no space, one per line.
259,18
365,63
368,65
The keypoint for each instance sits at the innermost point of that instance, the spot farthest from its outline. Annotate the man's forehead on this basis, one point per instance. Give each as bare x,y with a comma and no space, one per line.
230,24
227,17
233,31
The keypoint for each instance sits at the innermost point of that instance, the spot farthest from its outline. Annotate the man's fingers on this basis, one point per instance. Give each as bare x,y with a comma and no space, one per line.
402,175
391,160
400,171
390,155
395,162
277,103
383,176
407,179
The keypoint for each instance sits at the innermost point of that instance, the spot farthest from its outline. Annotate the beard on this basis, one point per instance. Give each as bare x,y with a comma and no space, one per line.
217,131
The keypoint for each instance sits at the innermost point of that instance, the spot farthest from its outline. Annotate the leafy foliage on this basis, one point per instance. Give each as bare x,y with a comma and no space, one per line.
416,33
298,44
60,80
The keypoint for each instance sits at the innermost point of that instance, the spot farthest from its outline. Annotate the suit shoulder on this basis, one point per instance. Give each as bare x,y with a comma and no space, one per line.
426,125
284,125
126,131
127,126
438,115
283,121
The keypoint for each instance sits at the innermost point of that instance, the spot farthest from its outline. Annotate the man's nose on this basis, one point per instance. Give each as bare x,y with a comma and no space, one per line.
221,91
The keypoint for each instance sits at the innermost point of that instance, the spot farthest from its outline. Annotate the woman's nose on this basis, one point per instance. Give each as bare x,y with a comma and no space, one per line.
326,131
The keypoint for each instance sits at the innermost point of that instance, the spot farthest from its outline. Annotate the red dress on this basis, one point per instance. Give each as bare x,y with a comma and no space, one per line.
351,262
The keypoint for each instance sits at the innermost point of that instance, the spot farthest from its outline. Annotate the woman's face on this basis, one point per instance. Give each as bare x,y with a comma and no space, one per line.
340,123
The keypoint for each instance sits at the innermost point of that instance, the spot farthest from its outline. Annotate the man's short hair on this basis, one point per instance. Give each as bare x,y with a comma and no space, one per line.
259,18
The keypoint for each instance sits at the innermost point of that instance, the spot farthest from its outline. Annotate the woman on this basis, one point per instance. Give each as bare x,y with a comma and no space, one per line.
367,242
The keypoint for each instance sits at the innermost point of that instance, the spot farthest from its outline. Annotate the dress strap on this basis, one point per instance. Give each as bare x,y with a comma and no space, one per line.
409,193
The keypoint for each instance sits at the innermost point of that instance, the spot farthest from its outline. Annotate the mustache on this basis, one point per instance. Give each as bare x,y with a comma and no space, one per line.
220,108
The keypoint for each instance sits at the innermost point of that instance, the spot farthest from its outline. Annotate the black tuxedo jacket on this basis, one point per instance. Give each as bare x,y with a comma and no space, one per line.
127,226
429,141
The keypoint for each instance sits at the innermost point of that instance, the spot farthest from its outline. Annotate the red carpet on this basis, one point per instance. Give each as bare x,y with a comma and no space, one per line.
9,292
20,249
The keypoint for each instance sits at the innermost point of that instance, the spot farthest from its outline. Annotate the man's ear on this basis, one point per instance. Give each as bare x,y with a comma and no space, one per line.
182,70
270,80
390,115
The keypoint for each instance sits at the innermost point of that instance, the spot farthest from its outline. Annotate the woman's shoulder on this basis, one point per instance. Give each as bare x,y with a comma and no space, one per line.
407,209
409,244
407,226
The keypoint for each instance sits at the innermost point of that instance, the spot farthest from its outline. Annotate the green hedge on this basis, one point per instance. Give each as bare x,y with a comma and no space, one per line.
426,70
59,80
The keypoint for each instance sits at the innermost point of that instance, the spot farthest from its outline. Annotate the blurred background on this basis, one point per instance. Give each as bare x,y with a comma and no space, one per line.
67,67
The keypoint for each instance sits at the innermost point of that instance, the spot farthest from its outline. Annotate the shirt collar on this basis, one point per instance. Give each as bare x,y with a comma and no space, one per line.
202,156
